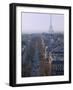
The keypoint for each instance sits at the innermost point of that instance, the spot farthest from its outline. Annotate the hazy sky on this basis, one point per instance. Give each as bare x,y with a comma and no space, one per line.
38,23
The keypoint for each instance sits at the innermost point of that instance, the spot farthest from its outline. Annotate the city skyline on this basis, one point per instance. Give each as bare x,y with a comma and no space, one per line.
40,23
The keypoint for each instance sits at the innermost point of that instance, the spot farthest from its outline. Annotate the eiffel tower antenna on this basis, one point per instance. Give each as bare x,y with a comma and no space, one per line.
51,27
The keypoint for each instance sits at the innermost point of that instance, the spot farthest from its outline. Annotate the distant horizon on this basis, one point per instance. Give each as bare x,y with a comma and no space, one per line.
45,33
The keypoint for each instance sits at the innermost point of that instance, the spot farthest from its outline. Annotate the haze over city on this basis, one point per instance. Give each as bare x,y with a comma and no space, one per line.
39,23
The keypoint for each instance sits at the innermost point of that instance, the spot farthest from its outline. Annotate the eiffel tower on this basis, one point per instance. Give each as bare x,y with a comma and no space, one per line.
51,31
